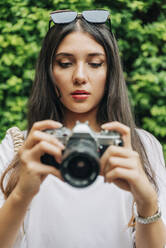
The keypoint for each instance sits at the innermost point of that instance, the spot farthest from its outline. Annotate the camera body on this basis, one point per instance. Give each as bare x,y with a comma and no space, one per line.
80,160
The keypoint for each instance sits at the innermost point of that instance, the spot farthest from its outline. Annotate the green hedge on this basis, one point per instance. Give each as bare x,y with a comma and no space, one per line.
139,26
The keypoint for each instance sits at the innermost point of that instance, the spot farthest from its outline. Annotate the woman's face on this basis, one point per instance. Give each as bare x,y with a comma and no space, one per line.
79,71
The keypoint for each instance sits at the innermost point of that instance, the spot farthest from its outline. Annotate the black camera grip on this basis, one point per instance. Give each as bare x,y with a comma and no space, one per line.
48,159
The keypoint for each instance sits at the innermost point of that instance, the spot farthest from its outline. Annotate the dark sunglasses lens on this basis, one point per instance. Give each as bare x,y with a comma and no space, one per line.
63,17
96,16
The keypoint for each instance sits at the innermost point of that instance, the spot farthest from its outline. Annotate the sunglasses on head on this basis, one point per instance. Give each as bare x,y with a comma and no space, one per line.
68,16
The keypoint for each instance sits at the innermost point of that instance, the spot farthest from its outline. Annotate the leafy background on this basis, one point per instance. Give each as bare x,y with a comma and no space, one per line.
140,28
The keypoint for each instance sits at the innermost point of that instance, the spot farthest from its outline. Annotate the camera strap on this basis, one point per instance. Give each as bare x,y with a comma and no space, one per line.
17,137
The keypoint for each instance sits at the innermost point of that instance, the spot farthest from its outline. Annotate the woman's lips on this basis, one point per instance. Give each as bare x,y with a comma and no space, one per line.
80,94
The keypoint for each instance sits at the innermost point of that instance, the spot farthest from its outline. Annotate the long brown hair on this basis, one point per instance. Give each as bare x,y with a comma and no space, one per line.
44,102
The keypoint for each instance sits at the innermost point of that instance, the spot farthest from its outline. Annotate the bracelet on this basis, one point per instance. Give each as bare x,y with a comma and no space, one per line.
147,220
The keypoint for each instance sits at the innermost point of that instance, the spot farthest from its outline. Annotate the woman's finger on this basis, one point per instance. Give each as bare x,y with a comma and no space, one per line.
37,168
38,136
115,151
40,149
114,162
120,173
122,129
40,126
46,124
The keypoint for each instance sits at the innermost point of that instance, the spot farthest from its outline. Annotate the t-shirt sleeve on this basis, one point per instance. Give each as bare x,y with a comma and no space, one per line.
6,156
156,158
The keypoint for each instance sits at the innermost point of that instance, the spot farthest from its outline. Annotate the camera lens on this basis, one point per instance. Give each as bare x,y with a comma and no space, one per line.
80,167
80,170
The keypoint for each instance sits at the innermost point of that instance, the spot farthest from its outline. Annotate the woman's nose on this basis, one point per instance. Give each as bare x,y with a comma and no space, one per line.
79,74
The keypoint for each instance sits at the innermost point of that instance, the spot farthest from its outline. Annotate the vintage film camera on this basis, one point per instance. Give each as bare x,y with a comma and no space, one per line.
80,160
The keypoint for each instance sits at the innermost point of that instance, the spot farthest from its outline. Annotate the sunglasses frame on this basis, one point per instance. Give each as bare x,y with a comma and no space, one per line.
80,15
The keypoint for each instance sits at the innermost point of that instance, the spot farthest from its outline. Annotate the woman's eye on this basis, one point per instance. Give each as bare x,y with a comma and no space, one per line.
64,64
95,65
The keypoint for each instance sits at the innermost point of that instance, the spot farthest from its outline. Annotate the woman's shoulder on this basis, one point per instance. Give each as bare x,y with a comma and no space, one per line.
13,139
147,137
150,142
156,158
153,150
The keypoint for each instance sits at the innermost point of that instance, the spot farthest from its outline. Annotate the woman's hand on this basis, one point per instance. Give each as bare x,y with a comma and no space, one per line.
122,166
32,171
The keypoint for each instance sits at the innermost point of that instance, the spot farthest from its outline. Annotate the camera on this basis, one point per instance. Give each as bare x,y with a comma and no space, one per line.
83,148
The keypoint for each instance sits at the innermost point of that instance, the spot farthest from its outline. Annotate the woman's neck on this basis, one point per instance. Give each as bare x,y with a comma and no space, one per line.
71,118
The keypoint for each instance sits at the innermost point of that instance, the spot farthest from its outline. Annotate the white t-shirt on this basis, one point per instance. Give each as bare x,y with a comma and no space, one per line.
61,216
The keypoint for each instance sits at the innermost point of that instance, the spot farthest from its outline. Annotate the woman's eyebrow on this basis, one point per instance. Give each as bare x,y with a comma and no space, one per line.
63,54
70,54
96,54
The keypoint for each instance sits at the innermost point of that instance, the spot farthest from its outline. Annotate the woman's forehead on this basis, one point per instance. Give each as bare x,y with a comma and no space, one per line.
80,41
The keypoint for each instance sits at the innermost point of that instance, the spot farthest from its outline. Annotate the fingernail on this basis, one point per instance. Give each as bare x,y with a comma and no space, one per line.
59,160
59,124
61,145
105,125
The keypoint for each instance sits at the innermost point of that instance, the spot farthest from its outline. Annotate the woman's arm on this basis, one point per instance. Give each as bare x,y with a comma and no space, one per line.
151,234
32,174
122,166
12,215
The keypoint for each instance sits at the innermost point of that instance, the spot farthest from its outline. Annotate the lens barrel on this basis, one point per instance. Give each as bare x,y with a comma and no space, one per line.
80,165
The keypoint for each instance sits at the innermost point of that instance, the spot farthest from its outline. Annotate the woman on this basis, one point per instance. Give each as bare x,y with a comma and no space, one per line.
79,77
